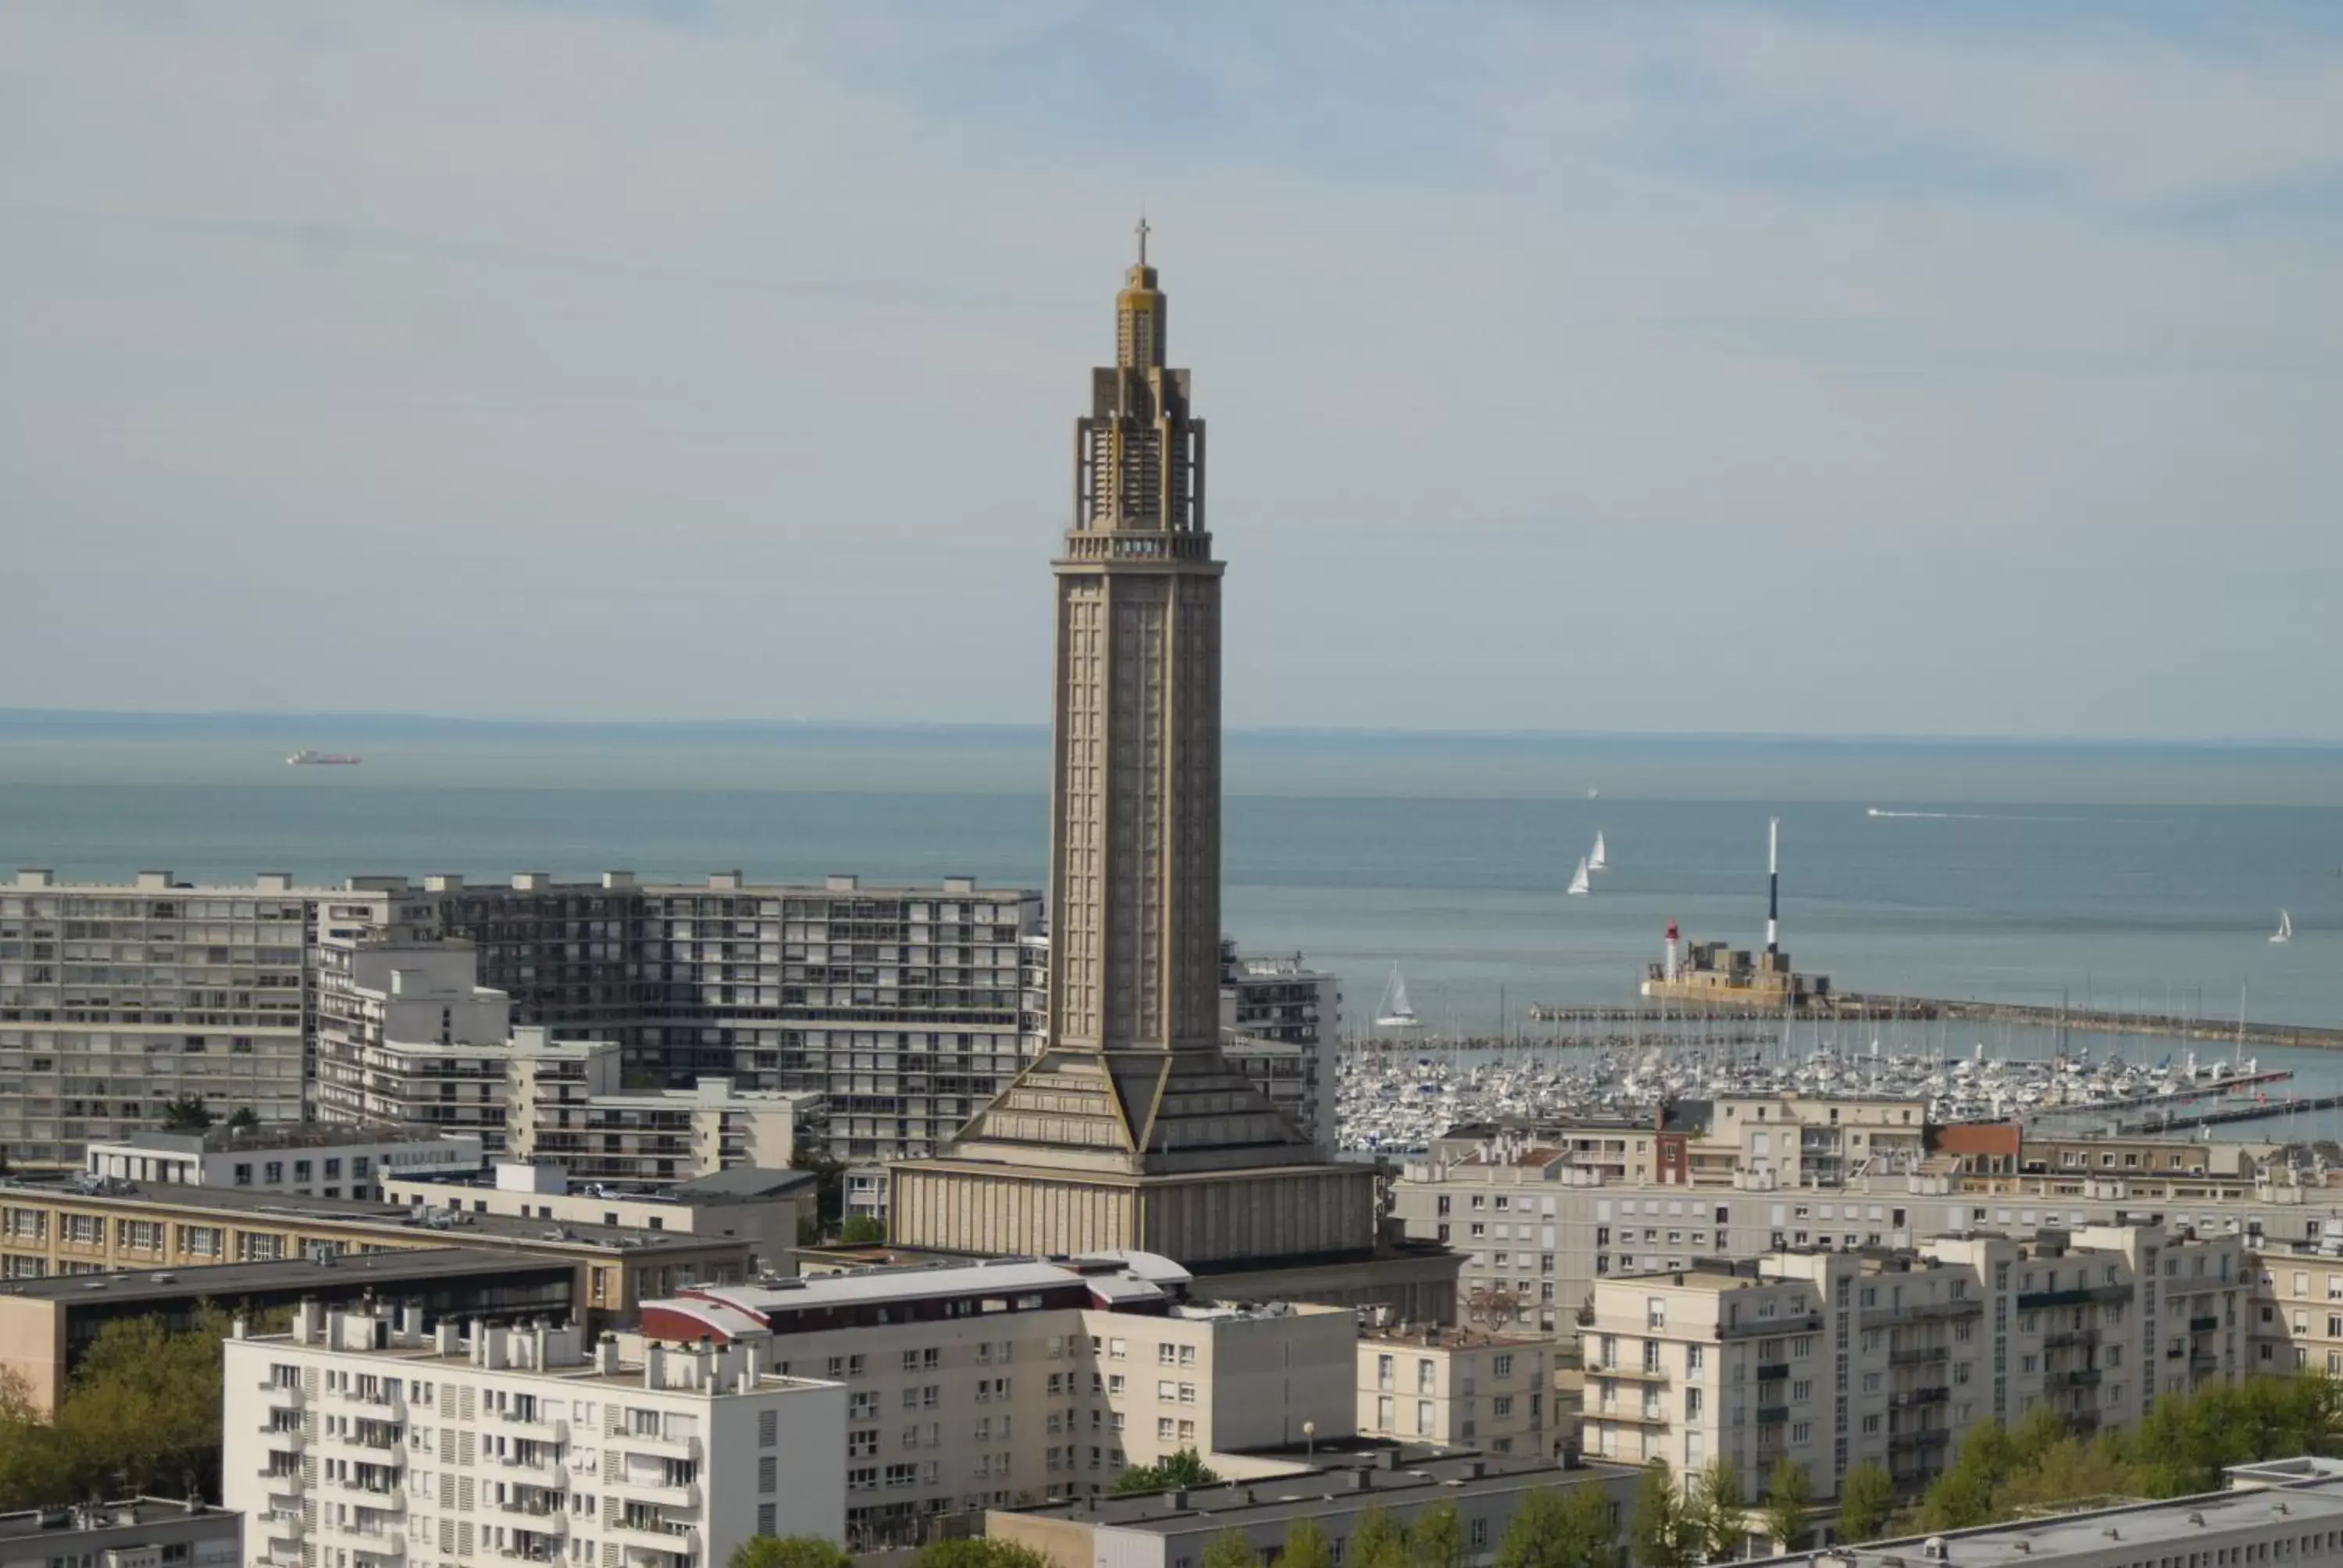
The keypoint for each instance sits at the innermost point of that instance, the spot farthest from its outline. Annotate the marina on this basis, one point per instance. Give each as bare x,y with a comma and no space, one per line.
1865,1006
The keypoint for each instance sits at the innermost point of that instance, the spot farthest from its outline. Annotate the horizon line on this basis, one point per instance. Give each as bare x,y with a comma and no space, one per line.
13,715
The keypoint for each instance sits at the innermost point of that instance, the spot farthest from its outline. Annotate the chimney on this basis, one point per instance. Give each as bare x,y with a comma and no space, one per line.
617,881
308,1321
447,1338
654,1364
606,1354
1179,1500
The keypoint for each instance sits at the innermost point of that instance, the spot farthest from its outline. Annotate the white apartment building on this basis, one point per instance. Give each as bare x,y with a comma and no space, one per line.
359,1440
1457,1388
762,1207
407,1037
312,1161
1835,1357
568,1102
970,1386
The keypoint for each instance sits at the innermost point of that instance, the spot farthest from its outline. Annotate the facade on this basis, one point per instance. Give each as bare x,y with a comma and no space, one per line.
1834,1358
361,1435
2297,1308
137,1533
567,1104
2287,1510
310,1161
970,1386
1173,1529
407,1037
47,1325
47,1228
1131,1129
1281,1025
115,1000
1455,1388
764,1208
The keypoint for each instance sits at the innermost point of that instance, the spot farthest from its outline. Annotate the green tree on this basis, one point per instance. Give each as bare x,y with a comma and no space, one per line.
787,1552
1559,1527
1305,1547
2069,1471
187,1113
1184,1467
862,1230
1659,1528
1436,1539
978,1551
243,1119
1376,1542
830,1181
1787,1494
1866,1500
1716,1512
1229,1549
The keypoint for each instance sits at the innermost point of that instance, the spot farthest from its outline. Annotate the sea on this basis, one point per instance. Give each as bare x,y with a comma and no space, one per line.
2136,876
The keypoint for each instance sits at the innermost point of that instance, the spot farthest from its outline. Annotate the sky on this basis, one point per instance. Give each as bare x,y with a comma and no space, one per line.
1799,369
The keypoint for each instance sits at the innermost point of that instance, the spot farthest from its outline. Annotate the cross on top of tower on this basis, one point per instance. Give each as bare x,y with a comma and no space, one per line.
1143,232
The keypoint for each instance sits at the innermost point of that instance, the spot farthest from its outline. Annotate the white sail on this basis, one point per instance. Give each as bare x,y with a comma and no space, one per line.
2284,933
1395,1011
1598,860
1579,882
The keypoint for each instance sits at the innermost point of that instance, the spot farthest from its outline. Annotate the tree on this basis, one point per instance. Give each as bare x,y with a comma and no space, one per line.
1305,1547
243,1118
1715,1512
862,1230
978,1551
1866,1500
187,1113
1787,1494
787,1552
1436,1539
1230,1548
1184,1467
1558,1527
830,1179
1376,1542
1659,1528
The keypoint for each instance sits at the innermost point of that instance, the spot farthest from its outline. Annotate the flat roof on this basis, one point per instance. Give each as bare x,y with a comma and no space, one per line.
2139,1530
292,1209
353,1270
923,1281
747,1184
224,1140
125,1515
1391,1477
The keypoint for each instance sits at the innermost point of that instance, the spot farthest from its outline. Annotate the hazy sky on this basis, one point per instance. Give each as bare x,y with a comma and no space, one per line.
1807,367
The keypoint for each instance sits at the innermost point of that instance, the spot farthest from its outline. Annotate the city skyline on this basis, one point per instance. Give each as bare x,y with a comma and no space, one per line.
1738,369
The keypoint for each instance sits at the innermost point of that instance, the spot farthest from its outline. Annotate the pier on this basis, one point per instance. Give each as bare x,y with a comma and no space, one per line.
2258,1111
1875,1007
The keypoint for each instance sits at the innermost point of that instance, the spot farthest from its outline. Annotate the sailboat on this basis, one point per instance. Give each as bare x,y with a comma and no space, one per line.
2284,933
1579,882
1395,1011
1598,860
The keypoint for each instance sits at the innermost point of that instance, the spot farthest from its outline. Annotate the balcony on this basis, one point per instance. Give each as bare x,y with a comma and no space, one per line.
533,1469
1773,1414
2080,1296
544,1429
653,1490
382,1549
1637,1415
291,1438
1773,1371
1765,1328
671,1540
1924,1311
2203,1325
655,1446
2070,1337
1918,1396
1928,1437
292,1394
2201,1362
1918,1355
2074,1377
1632,1374
281,1524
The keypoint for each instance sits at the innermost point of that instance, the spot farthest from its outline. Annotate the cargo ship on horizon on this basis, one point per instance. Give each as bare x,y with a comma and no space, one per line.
320,760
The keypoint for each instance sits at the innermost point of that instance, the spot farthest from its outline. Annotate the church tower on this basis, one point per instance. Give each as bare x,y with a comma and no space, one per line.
1130,1129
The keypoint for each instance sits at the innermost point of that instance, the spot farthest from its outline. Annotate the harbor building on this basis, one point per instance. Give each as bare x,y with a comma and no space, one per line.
47,1325
1835,1358
136,1532
971,1385
363,1435
765,1207
308,1161
52,1227
2280,1511
1131,1129
1457,1388
1173,1529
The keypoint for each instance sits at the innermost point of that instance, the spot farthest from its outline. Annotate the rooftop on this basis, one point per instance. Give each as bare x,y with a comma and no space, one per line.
223,1140
2138,1531
355,1270
741,1184
1395,1477
1159,1276
247,1203
1445,1338
128,1514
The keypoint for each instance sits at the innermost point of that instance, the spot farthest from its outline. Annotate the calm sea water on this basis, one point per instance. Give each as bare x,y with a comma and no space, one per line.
2135,877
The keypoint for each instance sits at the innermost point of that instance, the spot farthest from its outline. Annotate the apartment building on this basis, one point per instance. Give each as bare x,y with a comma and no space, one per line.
1281,1025
407,1037
764,1208
361,1438
117,1000
306,1160
1834,1358
970,1386
1173,1529
2298,1307
1456,1388
566,1102
51,1228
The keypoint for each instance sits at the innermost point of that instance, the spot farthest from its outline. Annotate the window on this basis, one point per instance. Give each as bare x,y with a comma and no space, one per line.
767,1470
1502,1366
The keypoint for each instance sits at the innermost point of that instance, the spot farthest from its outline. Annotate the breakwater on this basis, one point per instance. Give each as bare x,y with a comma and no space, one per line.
1876,1006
